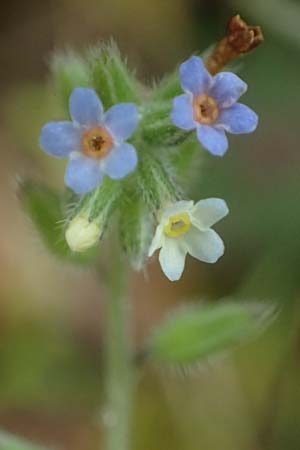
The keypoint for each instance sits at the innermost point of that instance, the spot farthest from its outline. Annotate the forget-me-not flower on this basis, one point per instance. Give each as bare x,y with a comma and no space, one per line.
94,141
186,228
210,106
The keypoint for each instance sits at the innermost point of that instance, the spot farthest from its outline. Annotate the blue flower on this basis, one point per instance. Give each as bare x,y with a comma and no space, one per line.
94,142
210,106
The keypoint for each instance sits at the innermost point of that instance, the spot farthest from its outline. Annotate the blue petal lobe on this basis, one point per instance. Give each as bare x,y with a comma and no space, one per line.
183,114
85,107
227,89
83,175
194,76
213,139
60,138
122,120
238,119
120,162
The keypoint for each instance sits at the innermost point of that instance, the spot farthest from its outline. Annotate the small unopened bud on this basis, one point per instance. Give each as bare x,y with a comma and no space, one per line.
82,234
90,216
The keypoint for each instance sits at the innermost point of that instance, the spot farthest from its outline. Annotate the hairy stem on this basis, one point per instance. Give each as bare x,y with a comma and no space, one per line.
120,376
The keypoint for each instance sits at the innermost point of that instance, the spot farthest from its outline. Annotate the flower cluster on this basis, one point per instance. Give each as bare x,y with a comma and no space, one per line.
95,143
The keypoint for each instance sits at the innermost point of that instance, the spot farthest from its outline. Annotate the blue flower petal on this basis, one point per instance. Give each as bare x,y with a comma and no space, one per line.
213,139
120,162
85,107
122,120
83,175
227,89
238,119
194,76
60,138
183,114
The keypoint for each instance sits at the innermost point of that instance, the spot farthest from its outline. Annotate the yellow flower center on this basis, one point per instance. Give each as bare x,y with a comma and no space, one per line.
206,110
178,225
97,142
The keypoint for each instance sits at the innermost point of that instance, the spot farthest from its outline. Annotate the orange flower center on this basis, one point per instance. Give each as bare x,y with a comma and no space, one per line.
206,110
97,142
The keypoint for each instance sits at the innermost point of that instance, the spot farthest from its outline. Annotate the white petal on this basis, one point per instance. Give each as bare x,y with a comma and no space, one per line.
207,212
157,240
177,208
207,246
172,258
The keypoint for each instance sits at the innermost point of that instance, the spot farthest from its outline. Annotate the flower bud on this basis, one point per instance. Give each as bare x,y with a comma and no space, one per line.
111,78
89,218
82,234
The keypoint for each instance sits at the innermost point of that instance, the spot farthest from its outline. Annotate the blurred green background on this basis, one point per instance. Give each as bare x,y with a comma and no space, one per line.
51,315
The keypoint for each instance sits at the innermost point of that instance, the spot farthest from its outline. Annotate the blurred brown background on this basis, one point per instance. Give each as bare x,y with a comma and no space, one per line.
51,315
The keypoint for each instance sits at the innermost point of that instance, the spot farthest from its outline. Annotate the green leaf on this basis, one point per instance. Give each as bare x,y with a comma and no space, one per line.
10,442
111,78
196,333
70,71
44,207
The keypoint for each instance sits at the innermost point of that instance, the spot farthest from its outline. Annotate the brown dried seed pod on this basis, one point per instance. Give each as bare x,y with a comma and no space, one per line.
240,39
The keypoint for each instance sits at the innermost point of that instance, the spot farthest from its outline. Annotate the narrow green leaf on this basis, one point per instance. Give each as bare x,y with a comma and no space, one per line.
196,333
10,442
44,207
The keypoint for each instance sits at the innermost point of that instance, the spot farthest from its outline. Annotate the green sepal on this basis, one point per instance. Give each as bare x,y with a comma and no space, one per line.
157,129
196,333
156,181
111,78
11,442
45,208
99,203
168,88
70,71
135,223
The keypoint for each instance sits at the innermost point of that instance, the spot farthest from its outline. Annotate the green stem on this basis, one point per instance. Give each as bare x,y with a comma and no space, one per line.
120,376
